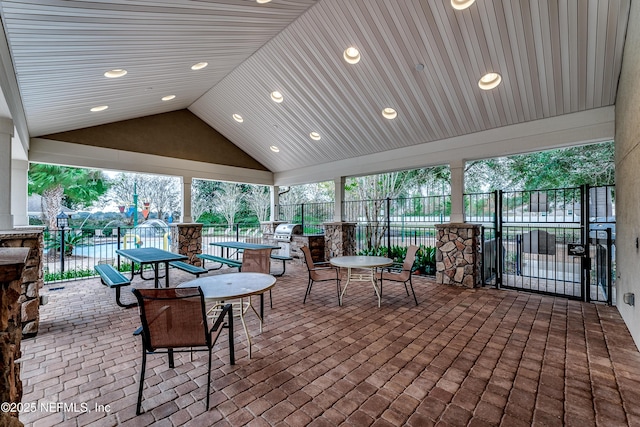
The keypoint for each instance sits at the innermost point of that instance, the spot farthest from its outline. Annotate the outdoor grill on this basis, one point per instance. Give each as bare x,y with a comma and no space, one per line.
285,232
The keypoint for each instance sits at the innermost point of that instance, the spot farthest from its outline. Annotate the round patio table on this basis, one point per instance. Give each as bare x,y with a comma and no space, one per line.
360,263
223,287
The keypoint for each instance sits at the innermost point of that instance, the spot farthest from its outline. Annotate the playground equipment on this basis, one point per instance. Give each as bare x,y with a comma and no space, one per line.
131,241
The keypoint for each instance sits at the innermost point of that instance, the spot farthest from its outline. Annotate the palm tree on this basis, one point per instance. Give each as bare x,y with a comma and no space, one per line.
80,187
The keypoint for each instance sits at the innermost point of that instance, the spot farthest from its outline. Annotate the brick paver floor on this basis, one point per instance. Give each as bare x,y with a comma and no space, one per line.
462,357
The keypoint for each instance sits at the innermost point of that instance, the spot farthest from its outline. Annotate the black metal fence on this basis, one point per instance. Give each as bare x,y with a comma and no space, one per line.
557,241
531,240
72,253
310,215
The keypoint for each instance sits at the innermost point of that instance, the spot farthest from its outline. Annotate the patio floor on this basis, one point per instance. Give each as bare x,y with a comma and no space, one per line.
462,357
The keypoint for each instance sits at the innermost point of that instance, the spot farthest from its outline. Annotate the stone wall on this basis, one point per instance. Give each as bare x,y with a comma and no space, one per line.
186,239
32,280
12,263
340,239
458,255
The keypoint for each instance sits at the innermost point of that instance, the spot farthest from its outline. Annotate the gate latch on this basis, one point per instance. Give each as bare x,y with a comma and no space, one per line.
576,249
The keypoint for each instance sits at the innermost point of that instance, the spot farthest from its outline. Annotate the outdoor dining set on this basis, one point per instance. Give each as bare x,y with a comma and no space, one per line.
178,319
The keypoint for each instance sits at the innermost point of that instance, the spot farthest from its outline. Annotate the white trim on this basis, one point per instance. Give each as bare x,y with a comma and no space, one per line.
78,155
589,126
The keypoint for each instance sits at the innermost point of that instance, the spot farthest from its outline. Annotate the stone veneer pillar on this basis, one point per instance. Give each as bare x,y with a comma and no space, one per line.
339,239
12,263
458,255
32,280
186,239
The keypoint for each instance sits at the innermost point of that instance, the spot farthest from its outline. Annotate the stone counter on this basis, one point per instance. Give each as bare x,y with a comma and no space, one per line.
12,264
32,279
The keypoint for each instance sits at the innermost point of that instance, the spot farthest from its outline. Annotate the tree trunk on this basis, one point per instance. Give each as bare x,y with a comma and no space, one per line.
53,201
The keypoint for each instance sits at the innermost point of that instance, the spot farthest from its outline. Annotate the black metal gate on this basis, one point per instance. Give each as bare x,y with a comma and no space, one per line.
556,242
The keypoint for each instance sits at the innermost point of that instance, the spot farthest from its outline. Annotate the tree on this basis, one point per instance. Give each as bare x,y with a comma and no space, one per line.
259,201
77,187
162,192
567,167
229,201
291,198
373,190
203,194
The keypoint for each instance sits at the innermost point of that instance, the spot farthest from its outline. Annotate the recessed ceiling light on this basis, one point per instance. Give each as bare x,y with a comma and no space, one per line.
263,1
461,4
351,55
277,96
199,65
489,81
238,118
315,136
274,149
168,97
115,73
389,113
99,108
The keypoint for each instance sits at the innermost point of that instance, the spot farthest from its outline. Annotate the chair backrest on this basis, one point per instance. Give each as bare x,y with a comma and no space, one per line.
256,261
307,257
409,259
172,317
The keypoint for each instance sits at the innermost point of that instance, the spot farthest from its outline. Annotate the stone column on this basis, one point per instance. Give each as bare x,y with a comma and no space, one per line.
186,239
339,239
458,255
12,262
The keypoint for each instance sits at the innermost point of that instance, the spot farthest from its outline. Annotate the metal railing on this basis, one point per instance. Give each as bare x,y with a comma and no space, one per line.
72,253
310,215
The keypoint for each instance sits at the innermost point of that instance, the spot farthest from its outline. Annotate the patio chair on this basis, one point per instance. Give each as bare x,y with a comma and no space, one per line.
320,272
257,261
401,273
174,319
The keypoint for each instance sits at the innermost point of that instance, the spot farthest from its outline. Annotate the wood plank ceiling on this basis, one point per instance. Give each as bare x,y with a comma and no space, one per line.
421,57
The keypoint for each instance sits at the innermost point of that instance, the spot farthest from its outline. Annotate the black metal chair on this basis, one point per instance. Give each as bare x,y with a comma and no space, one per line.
174,319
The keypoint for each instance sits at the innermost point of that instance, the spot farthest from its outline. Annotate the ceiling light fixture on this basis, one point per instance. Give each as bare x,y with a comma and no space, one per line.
489,81
238,118
263,1
315,136
461,4
274,149
115,73
351,55
277,96
168,97
199,66
99,108
389,113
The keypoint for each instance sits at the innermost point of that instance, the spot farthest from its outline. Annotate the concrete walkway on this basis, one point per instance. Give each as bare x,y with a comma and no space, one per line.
462,357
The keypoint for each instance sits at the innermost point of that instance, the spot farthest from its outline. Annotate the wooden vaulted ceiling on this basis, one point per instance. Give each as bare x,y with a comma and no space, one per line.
421,57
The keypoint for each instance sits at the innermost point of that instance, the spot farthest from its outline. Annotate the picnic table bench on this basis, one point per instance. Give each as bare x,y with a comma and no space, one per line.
284,259
221,260
193,269
112,278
